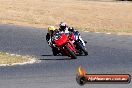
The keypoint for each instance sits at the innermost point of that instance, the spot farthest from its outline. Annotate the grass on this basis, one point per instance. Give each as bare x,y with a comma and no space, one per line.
115,17
11,59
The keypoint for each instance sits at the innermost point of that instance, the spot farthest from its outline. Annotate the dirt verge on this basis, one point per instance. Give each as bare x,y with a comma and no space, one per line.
7,59
87,15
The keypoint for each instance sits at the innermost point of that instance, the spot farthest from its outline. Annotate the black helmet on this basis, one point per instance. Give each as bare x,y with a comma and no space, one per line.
71,29
62,26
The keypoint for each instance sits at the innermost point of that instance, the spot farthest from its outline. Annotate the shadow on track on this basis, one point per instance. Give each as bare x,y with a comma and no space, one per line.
46,55
53,55
54,59
57,59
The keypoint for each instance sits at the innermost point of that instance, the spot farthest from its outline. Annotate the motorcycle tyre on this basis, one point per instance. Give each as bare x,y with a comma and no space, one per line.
72,54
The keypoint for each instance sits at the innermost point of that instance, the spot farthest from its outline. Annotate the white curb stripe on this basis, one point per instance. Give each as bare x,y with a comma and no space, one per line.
86,31
108,33
97,32
12,54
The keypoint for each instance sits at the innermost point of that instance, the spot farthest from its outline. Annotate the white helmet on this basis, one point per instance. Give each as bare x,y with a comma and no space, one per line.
62,24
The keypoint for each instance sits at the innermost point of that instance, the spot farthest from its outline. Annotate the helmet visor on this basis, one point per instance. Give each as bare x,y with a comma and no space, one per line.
63,27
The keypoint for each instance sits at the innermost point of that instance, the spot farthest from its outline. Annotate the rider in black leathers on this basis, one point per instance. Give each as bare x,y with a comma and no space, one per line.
49,36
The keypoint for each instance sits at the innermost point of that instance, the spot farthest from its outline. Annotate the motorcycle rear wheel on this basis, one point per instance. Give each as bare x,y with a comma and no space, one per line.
55,51
83,49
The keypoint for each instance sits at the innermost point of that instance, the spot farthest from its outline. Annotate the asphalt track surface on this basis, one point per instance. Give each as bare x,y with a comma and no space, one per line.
107,54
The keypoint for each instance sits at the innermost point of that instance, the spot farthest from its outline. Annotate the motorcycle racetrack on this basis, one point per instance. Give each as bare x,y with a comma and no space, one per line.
107,54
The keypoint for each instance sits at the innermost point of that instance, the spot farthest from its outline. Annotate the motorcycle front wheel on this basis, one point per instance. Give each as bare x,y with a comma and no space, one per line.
71,53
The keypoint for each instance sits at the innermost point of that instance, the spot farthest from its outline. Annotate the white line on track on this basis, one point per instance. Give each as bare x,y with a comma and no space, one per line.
99,32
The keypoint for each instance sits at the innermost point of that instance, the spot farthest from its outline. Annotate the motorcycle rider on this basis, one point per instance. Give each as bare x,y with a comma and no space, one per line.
51,30
63,28
68,30
50,34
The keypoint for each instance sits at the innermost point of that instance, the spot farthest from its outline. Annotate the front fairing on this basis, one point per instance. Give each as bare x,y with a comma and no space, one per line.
61,41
